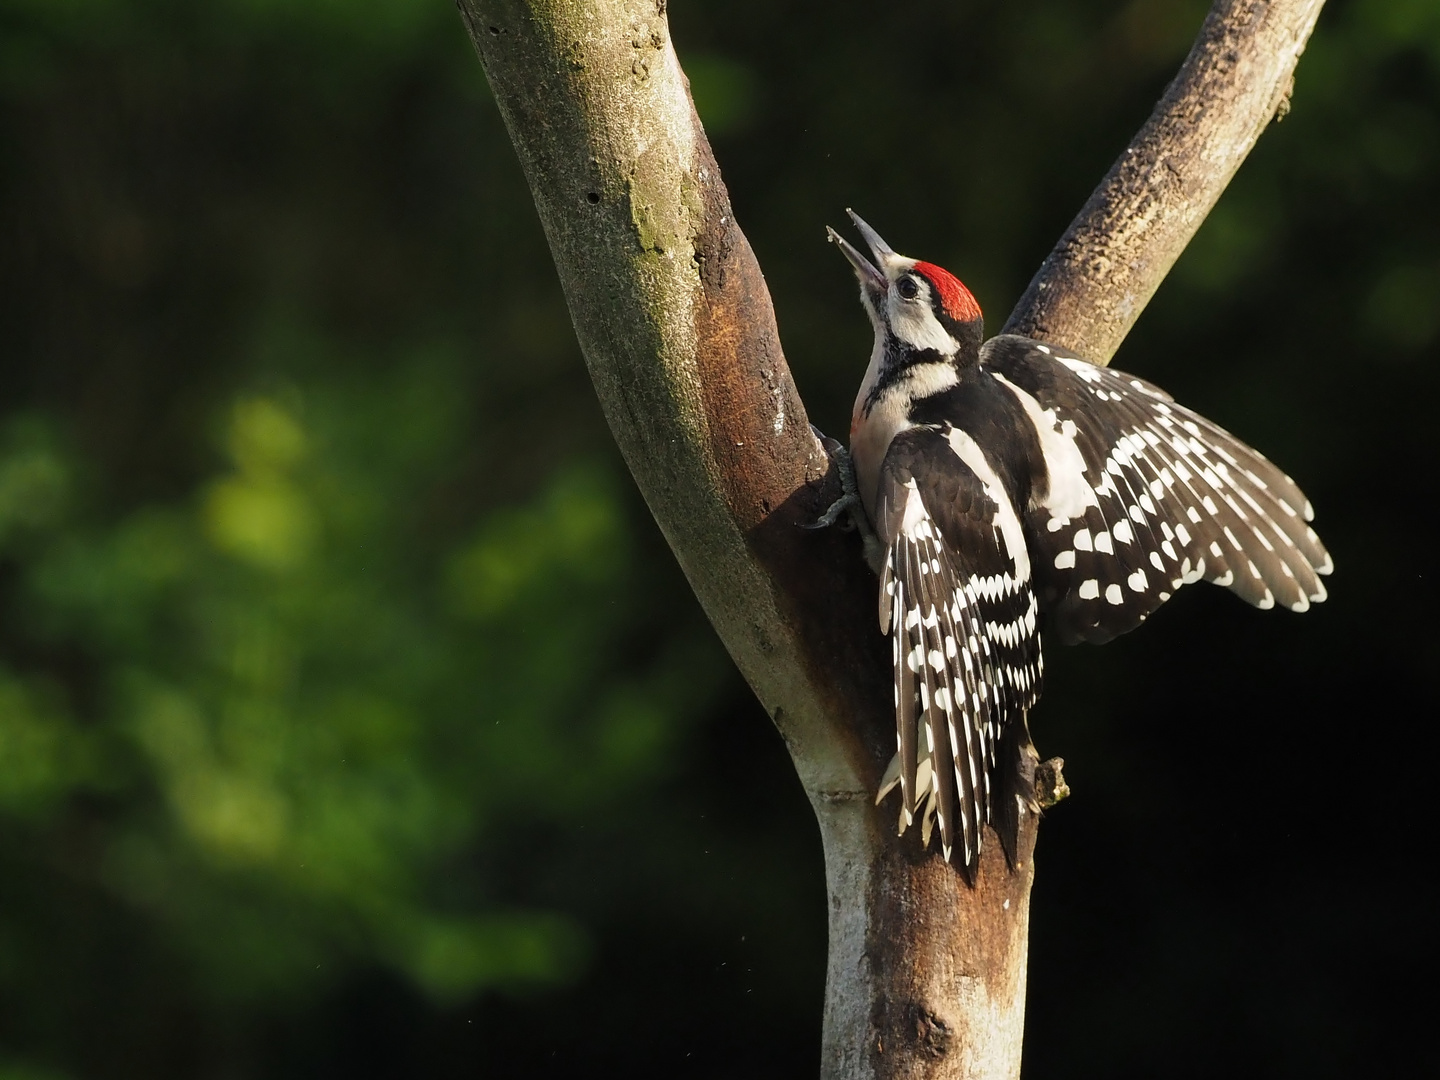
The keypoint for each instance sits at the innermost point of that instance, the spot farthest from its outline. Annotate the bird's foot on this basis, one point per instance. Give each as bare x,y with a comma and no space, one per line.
848,512
849,499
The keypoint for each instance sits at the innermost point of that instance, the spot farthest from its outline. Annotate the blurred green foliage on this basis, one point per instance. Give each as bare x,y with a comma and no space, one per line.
727,94
294,726
273,692
355,721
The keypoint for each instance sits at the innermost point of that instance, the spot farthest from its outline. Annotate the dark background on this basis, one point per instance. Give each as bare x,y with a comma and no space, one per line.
354,720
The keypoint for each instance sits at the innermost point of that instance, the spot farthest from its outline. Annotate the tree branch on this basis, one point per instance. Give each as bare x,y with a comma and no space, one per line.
1095,283
679,336
926,975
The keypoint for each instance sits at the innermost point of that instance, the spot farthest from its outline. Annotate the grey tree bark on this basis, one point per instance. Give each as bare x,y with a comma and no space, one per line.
1092,287
926,974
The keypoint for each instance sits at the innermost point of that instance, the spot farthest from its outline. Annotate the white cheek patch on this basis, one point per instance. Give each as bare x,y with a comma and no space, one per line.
915,324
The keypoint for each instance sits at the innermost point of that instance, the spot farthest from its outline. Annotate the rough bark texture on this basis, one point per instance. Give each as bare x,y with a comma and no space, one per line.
926,974
679,336
1090,290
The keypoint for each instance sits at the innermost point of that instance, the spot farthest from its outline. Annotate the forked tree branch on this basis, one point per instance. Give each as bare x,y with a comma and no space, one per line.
1090,290
926,975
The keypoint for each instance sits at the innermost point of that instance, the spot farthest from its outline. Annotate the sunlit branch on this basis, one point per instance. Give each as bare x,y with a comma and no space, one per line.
1238,77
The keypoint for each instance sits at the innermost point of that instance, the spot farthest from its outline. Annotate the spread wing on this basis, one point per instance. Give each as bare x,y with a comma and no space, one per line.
1144,496
955,595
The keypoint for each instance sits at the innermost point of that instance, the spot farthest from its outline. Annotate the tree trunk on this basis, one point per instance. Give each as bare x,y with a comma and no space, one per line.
926,974
955,1009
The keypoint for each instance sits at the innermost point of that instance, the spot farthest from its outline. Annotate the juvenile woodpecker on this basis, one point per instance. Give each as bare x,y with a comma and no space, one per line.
1011,484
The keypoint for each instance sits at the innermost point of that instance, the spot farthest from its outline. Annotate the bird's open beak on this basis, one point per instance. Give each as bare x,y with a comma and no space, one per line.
882,251
871,279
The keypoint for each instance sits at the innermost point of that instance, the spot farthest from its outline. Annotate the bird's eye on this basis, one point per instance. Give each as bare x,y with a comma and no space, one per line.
907,288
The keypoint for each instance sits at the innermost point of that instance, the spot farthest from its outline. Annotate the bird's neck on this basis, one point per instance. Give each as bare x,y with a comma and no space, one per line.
894,379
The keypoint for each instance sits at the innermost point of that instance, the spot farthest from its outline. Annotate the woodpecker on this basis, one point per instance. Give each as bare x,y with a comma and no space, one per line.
1010,485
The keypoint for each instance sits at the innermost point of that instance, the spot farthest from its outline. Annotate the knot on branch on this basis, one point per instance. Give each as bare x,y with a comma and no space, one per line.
933,1036
1050,786
921,1034
1282,110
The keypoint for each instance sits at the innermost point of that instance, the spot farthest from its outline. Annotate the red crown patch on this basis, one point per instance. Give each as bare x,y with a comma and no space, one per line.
954,297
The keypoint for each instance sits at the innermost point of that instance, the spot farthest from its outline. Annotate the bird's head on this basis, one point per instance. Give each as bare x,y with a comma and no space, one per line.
917,305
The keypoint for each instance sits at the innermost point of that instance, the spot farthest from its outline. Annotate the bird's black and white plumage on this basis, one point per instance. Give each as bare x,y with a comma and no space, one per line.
1009,484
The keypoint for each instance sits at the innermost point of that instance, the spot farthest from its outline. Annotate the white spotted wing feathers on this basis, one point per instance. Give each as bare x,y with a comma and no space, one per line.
966,649
1143,496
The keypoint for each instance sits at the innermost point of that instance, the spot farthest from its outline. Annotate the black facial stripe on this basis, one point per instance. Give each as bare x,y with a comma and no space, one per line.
899,358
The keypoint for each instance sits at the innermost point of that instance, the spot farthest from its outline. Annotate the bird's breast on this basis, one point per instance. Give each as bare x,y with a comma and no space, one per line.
883,409
870,437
